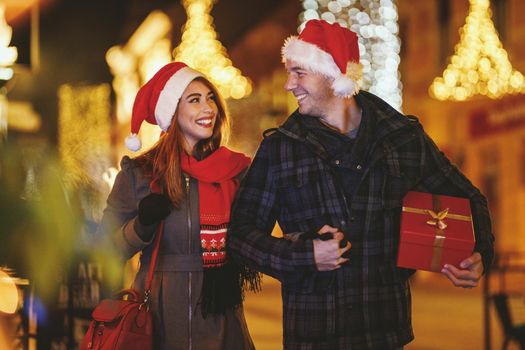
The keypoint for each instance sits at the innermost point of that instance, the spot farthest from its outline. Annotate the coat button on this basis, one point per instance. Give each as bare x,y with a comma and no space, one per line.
358,167
343,223
337,162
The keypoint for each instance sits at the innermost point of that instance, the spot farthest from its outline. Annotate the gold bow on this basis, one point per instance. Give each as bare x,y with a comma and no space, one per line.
437,218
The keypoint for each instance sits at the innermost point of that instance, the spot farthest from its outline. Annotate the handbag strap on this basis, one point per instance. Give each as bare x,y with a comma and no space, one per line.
147,291
154,255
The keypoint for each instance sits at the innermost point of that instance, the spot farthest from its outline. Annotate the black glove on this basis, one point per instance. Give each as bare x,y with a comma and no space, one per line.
153,208
325,237
314,235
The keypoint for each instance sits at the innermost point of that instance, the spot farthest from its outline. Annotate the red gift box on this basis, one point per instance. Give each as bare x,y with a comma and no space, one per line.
435,230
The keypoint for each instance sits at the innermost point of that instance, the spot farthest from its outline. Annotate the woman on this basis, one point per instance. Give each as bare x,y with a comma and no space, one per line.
188,180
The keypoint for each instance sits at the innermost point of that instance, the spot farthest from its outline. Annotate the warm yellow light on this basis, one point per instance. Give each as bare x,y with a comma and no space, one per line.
440,91
201,50
472,76
516,80
148,49
156,25
8,294
8,54
480,64
22,117
84,133
450,77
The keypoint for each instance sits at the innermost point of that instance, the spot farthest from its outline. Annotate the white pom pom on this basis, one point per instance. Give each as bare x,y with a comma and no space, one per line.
133,143
344,86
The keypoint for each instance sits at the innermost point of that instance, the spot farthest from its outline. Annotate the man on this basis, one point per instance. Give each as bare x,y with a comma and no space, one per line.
339,168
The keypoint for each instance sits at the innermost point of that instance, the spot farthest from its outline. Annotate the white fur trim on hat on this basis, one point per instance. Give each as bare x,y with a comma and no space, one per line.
310,57
169,96
346,85
133,143
315,59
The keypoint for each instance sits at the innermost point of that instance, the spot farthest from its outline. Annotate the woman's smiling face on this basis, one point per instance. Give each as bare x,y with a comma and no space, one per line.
196,113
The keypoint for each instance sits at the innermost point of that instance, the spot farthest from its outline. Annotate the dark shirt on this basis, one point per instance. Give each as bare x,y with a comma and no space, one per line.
338,147
345,163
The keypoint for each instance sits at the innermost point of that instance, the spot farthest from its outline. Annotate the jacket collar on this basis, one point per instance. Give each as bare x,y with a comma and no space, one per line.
383,124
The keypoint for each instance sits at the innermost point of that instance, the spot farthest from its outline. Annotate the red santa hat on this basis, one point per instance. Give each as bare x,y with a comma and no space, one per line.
157,100
330,50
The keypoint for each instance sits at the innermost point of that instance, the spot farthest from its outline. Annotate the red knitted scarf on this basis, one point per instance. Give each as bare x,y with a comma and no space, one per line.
217,186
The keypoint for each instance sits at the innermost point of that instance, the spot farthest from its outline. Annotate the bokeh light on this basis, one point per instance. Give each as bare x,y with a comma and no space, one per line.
201,50
480,65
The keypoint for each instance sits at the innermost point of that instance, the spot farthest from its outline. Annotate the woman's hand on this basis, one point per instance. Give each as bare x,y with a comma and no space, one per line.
154,208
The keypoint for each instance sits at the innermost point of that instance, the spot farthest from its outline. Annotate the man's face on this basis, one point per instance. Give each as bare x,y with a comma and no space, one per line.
312,90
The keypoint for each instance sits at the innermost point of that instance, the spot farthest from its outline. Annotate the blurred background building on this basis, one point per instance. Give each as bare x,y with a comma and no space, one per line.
69,71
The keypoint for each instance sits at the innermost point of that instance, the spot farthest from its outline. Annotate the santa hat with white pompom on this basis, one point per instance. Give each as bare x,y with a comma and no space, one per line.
330,50
156,101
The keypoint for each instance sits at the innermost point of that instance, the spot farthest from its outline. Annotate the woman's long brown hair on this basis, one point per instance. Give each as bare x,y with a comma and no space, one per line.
162,162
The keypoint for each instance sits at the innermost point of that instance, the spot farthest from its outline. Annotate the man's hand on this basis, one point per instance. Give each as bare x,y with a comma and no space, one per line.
327,253
469,273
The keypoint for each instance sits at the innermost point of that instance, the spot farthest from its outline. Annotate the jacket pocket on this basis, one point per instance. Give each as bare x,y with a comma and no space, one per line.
401,174
393,299
301,195
309,317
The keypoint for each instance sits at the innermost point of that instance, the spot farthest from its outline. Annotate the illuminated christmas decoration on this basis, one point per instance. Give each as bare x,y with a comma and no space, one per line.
200,49
8,54
84,134
132,64
8,293
480,65
375,23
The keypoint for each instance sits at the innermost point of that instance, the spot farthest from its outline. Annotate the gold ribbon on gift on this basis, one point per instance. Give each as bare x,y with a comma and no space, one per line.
426,211
437,216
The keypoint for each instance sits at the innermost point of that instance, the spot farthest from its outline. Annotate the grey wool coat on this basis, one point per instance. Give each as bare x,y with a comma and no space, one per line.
178,277
295,181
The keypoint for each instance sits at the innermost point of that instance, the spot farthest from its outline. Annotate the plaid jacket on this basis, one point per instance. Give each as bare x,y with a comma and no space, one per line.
366,303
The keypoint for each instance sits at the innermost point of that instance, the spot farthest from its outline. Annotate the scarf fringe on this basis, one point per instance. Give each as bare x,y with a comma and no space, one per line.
250,280
224,287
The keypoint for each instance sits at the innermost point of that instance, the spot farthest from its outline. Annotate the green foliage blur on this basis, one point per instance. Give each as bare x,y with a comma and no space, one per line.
39,224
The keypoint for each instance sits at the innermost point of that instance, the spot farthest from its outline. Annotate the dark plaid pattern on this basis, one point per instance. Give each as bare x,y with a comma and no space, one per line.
293,180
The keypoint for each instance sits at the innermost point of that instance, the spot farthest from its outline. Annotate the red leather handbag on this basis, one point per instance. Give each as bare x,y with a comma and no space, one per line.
120,324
